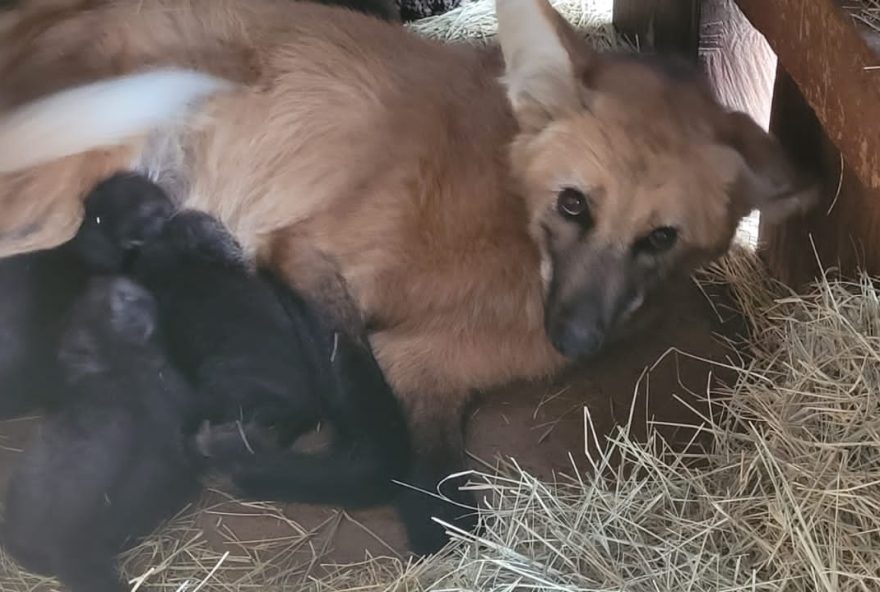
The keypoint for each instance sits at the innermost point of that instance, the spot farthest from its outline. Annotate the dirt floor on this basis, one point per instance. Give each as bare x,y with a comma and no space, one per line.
540,425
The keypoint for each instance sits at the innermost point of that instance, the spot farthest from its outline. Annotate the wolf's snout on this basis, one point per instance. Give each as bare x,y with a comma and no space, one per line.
576,339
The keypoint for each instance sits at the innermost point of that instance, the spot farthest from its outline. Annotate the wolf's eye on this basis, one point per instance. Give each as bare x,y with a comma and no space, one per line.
572,203
658,240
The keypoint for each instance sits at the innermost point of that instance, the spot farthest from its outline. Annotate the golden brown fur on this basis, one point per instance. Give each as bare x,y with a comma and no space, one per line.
393,155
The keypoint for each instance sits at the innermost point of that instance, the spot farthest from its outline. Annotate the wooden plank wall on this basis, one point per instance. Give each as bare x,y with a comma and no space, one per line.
737,59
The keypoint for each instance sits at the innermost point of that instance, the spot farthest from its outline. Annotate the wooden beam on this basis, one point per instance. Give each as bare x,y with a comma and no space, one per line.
834,67
666,26
843,232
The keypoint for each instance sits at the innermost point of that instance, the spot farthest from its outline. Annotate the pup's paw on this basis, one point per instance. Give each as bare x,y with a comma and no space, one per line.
418,510
232,443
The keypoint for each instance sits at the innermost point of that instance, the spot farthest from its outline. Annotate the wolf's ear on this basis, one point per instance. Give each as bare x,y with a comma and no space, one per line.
766,179
538,47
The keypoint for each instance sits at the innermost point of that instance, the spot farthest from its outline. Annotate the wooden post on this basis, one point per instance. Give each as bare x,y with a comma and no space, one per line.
826,112
835,68
843,232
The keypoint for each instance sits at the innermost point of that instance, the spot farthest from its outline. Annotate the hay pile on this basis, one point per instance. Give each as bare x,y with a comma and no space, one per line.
866,12
181,557
475,21
785,498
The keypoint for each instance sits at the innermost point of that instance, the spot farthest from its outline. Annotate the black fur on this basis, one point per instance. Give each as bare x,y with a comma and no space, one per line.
112,464
435,493
261,360
371,445
226,329
260,357
38,289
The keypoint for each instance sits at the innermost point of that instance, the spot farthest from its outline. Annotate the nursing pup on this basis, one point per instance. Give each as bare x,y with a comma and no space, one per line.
226,329
113,462
38,289
369,446
114,465
263,359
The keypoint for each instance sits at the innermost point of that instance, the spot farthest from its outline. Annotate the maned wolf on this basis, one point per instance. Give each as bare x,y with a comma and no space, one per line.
496,211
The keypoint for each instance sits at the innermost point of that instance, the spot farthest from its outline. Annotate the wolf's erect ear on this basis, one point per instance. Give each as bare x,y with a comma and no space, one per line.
538,46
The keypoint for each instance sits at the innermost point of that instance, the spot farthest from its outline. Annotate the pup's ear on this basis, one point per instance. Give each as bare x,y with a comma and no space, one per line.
767,179
540,74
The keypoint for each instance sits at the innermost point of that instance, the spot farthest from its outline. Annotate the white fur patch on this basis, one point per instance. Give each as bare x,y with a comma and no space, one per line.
634,306
104,113
163,160
546,271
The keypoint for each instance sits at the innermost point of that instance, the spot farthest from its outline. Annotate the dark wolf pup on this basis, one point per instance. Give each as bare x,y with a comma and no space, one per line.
38,288
113,462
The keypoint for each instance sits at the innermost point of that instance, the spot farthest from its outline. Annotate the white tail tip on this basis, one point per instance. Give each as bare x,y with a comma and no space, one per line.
101,114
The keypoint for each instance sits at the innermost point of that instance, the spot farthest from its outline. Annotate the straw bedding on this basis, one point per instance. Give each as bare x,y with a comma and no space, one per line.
475,21
866,12
785,497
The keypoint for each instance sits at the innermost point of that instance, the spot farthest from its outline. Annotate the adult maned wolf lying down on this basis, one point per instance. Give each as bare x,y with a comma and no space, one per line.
497,212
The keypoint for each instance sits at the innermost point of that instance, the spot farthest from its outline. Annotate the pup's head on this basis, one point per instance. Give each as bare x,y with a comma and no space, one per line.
121,213
631,171
112,317
193,235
